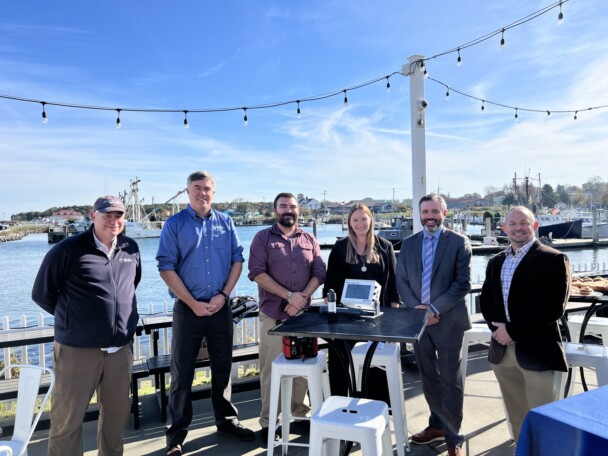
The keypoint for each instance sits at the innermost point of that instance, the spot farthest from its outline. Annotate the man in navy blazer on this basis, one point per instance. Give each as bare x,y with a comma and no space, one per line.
523,298
439,348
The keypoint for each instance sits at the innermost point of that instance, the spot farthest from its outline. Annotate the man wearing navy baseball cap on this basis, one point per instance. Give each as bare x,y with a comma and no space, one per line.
88,282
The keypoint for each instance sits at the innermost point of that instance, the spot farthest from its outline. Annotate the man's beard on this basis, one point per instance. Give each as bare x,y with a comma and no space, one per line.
432,229
287,220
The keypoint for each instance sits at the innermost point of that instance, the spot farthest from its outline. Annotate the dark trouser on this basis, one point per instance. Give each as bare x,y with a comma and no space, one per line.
188,332
438,357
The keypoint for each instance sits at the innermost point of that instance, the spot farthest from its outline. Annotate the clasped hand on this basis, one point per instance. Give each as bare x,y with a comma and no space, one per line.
501,335
207,309
431,317
296,303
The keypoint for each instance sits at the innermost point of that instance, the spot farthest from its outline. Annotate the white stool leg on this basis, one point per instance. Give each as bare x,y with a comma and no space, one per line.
464,355
275,389
386,442
286,389
394,376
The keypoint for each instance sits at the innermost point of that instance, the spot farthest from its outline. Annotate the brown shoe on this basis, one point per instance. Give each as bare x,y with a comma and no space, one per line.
456,451
428,435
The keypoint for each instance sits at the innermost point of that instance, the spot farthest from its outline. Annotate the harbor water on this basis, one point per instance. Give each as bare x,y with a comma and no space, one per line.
19,262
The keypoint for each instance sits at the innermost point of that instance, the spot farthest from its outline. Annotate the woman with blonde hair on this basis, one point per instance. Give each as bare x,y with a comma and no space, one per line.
360,255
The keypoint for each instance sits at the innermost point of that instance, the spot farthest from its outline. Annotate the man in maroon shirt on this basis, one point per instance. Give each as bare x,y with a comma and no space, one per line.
285,261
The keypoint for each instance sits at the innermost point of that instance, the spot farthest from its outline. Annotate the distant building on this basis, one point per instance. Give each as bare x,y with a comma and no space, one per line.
310,204
461,203
65,216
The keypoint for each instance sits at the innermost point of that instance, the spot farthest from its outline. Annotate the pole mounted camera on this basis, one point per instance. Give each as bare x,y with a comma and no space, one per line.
422,105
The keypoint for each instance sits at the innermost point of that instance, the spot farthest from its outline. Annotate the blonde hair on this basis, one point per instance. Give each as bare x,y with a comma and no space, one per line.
370,254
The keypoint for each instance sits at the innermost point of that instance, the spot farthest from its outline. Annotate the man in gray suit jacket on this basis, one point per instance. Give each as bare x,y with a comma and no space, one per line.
434,273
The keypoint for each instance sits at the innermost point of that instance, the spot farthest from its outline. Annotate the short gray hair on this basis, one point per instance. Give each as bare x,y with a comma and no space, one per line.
434,197
201,175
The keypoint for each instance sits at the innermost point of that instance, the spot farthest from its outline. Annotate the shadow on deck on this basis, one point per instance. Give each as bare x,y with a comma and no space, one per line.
484,424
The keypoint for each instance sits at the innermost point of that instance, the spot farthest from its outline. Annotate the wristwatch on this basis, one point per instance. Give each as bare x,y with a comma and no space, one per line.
224,294
288,296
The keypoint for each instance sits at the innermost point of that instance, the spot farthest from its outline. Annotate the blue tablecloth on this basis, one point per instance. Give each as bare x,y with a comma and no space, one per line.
577,425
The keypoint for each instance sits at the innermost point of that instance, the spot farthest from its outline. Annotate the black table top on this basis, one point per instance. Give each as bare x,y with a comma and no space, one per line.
26,336
394,325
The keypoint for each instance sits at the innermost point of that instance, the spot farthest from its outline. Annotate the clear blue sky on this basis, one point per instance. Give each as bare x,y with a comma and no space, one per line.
207,54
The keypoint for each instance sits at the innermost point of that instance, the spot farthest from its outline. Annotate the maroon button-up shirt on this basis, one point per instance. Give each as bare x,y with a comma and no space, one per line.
291,262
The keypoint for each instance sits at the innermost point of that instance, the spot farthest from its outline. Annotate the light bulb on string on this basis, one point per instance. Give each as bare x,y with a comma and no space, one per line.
345,99
447,93
459,59
483,105
426,74
298,111
245,119
45,119
575,115
502,39
118,122
560,16
186,126
548,113
516,115
388,84
422,67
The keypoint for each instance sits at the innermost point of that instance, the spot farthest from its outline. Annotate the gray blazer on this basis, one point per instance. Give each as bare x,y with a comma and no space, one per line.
450,281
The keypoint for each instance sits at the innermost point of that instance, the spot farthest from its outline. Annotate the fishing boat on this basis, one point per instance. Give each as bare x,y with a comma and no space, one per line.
558,226
400,228
138,224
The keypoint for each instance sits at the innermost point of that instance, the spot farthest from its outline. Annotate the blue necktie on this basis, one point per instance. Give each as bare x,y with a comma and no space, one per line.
427,269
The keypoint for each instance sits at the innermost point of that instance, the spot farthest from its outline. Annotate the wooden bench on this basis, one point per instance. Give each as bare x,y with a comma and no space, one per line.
159,367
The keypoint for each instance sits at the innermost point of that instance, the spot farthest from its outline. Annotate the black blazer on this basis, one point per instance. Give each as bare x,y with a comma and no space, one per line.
537,299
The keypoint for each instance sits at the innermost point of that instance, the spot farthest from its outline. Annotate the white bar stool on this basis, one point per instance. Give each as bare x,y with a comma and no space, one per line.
283,372
479,332
585,355
388,357
596,326
352,419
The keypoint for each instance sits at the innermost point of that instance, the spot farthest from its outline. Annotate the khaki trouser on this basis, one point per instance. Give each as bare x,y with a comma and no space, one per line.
522,390
80,372
270,348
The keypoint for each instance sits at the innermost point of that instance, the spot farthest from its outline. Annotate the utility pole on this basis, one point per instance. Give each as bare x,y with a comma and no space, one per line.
418,106
324,193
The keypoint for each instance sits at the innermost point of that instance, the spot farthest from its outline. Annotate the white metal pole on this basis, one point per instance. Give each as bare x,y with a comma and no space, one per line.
418,106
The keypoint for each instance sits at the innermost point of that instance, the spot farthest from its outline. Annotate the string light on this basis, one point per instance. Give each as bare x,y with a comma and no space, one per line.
45,119
502,39
388,84
421,65
245,119
118,123
515,108
298,112
186,126
560,16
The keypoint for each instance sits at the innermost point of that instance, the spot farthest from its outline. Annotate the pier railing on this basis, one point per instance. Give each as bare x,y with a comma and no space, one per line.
38,327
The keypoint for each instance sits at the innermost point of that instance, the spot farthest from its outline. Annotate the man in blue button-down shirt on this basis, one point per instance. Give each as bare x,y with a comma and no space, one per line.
200,258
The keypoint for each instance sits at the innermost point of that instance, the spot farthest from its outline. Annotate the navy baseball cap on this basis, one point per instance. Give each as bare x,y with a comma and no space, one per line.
109,203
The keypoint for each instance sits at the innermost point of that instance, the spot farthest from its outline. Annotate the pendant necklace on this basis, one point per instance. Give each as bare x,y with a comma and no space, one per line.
363,268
